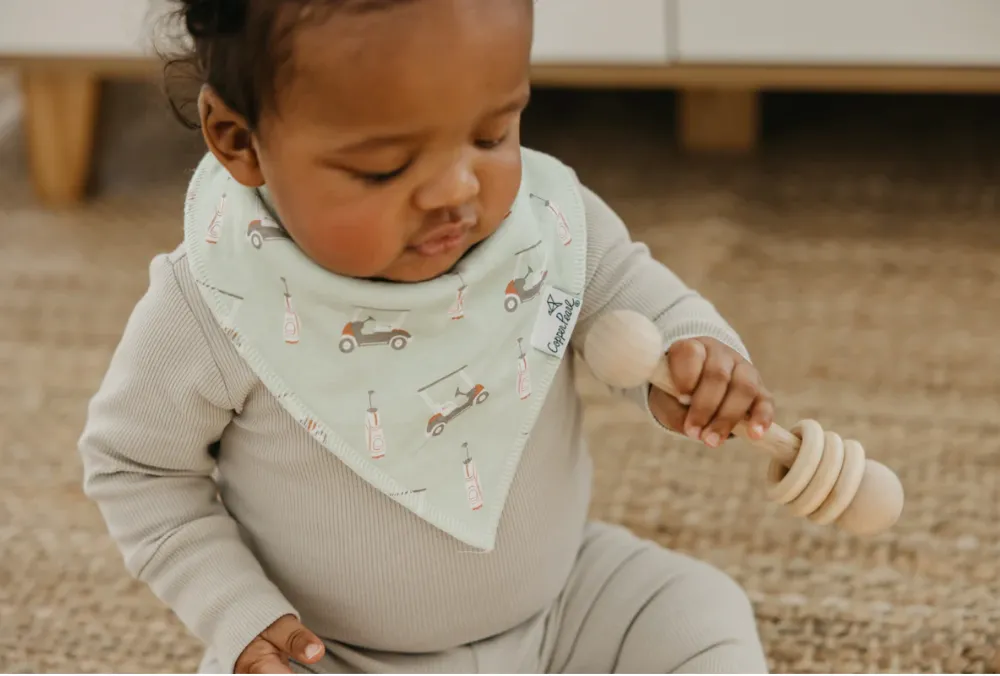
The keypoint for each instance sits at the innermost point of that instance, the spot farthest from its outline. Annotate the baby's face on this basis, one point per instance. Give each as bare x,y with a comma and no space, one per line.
394,146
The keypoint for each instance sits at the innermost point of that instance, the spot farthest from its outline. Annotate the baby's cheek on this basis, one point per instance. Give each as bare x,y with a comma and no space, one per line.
356,245
500,183
370,244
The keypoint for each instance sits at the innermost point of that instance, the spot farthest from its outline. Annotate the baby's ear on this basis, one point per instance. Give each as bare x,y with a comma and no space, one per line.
229,138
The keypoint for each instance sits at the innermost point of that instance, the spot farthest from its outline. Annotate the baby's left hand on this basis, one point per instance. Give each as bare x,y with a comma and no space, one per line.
724,389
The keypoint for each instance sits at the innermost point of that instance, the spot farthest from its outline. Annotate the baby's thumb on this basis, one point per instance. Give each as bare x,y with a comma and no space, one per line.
290,636
667,410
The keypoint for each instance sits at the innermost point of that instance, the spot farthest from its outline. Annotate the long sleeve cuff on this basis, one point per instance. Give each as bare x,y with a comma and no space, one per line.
674,331
240,622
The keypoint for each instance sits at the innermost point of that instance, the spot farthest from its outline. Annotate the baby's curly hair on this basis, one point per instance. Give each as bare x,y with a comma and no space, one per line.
238,48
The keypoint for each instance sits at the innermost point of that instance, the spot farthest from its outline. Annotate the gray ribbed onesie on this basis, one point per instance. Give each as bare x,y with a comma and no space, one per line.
278,525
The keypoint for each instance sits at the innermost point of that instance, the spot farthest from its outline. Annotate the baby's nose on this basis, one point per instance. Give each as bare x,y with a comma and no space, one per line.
454,187
463,213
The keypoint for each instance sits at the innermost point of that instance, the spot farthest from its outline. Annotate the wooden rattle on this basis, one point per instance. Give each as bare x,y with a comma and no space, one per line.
813,472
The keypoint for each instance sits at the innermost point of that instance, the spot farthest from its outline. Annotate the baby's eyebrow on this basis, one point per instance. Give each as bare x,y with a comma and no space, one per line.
376,142
515,105
389,140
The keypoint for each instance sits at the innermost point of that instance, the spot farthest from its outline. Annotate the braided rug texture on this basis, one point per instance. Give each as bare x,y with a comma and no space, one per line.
858,255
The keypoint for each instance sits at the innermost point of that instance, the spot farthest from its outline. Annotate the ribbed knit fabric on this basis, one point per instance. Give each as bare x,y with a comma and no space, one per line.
278,525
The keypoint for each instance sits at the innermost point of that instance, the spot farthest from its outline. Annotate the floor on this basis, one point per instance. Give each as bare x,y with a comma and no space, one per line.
858,254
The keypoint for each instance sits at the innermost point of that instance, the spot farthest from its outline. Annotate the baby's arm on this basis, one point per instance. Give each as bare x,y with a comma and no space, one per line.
621,274
146,465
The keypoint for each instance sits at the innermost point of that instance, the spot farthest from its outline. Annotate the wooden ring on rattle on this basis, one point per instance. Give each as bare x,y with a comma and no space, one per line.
825,478
787,483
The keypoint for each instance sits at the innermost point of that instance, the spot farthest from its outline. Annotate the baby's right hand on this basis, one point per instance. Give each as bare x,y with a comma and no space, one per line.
269,653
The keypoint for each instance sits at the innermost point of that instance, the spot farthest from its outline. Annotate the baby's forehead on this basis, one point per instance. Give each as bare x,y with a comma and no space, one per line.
421,30
411,61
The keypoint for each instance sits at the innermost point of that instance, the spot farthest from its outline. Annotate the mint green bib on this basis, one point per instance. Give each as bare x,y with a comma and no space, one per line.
427,391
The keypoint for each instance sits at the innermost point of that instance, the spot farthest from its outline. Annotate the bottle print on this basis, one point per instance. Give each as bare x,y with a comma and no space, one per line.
457,309
473,491
523,378
373,430
213,227
562,225
314,429
291,327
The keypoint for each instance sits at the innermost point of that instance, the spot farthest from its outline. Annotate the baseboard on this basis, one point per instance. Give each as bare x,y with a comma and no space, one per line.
915,79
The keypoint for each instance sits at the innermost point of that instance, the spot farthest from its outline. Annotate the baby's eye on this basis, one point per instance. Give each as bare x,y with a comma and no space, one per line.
489,144
382,177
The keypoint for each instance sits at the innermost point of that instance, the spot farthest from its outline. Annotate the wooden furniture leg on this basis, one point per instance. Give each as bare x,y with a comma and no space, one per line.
60,115
718,120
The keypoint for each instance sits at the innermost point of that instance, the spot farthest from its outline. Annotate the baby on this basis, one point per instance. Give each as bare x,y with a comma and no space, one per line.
340,432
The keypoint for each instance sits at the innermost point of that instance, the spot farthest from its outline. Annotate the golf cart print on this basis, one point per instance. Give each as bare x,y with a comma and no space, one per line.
446,411
264,229
527,282
365,331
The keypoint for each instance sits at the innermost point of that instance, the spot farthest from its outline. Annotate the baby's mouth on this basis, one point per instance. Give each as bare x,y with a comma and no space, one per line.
443,239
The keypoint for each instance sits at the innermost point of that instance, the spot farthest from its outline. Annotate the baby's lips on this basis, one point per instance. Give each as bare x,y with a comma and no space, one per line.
443,239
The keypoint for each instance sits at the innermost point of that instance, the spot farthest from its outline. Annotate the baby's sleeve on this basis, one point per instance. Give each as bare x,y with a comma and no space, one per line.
622,274
146,463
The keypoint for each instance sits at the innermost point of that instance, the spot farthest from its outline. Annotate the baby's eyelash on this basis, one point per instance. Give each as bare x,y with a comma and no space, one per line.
489,144
384,177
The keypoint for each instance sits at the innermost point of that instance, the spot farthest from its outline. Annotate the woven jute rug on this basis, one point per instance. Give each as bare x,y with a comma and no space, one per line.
858,255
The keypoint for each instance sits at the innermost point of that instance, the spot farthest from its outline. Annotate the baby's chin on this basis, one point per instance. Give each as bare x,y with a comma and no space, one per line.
413,267
409,267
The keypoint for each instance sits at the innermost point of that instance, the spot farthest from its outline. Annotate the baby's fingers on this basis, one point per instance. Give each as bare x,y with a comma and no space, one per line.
736,406
685,359
270,664
761,414
711,391
294,640
667,410
260,657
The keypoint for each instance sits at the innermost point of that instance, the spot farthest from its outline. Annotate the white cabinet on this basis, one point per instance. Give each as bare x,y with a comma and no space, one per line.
601,32
846,32
614,32
578,32
95,28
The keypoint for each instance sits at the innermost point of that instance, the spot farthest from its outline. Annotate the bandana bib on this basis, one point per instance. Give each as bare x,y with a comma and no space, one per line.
427,391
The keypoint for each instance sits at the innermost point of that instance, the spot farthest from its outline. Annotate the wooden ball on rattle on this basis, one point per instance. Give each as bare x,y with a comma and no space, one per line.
623,349
814,473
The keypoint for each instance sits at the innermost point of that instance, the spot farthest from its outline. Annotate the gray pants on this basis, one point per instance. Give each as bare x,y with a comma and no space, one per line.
630,606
